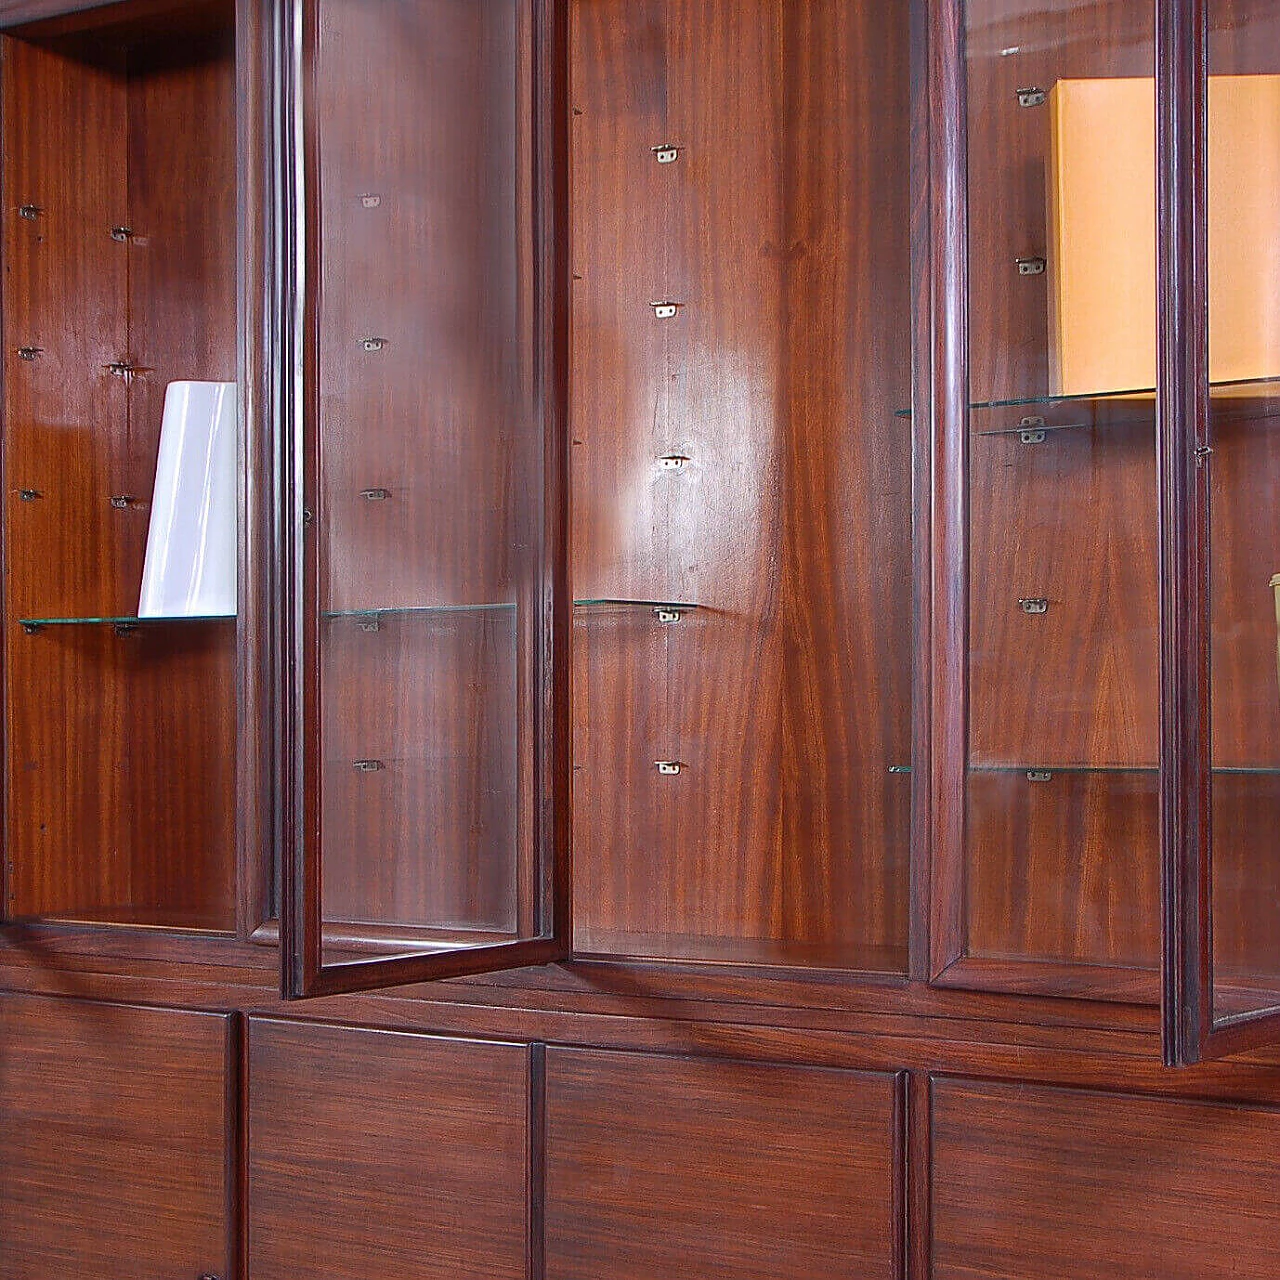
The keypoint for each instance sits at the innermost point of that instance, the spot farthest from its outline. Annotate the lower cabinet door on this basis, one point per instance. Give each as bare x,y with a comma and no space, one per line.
658,1168
1036,1183
377,1153
114,1139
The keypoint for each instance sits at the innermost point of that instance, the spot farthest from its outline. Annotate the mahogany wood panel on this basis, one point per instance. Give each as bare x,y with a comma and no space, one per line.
660,1167
1008,49
786,697
182,263
378,1153
1033,1183
121,780
116,1125
1244,541
1245,810
121,789
1244,536
1070,521
1065,870
427,456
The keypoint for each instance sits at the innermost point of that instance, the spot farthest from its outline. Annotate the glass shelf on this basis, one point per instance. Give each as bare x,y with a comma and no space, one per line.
122,625
1249,387
412,610
603,603
32,625
656,606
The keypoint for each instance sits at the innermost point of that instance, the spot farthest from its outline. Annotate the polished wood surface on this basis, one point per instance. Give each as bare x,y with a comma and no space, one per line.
675,1166
121,748
1066,869
1051,1184
1007,49
375,1153
1070,521
116,1123
785,697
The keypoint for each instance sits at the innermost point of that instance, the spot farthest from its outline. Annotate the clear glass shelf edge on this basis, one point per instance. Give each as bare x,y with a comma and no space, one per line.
1245,387
677,606
123,622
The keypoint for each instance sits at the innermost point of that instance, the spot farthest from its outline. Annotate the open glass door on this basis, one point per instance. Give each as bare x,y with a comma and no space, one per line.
1221,452
423,788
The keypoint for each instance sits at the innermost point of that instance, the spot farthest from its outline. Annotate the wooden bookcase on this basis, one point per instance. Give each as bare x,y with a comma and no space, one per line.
761,779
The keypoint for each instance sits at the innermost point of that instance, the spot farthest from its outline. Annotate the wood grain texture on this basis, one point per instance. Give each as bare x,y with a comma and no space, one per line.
116,1123
1007,49
1070,521
376,1153
777,380
1050,1184
146,834
1066,870
670,1166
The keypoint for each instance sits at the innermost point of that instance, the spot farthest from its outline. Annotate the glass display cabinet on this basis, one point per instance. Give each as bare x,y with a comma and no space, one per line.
1106,717
712,509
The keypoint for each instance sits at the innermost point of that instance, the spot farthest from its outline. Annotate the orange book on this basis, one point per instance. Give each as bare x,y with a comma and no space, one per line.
1102,256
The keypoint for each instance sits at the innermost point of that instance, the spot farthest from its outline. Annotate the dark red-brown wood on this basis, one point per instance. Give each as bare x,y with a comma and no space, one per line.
1056,1184
781,234
116,1125
667,1166
372,1152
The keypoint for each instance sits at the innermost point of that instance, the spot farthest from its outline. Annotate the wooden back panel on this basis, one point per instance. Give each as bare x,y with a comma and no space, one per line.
780,231
1068,870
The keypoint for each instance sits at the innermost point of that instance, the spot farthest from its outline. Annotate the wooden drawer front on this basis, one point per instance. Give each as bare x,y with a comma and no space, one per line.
1055,1184
113,1128
661,1167
374,1153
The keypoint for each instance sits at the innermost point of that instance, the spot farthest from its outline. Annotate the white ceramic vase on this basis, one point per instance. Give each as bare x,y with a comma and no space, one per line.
190,568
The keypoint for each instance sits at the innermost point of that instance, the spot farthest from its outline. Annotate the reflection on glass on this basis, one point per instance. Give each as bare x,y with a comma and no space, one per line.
1244,482
427,466
1062,827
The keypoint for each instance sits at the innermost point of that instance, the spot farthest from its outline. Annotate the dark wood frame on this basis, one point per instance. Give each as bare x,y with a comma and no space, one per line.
293,676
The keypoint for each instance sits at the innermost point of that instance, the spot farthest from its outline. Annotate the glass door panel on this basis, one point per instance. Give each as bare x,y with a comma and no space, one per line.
1244,507
430,438
1051,882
